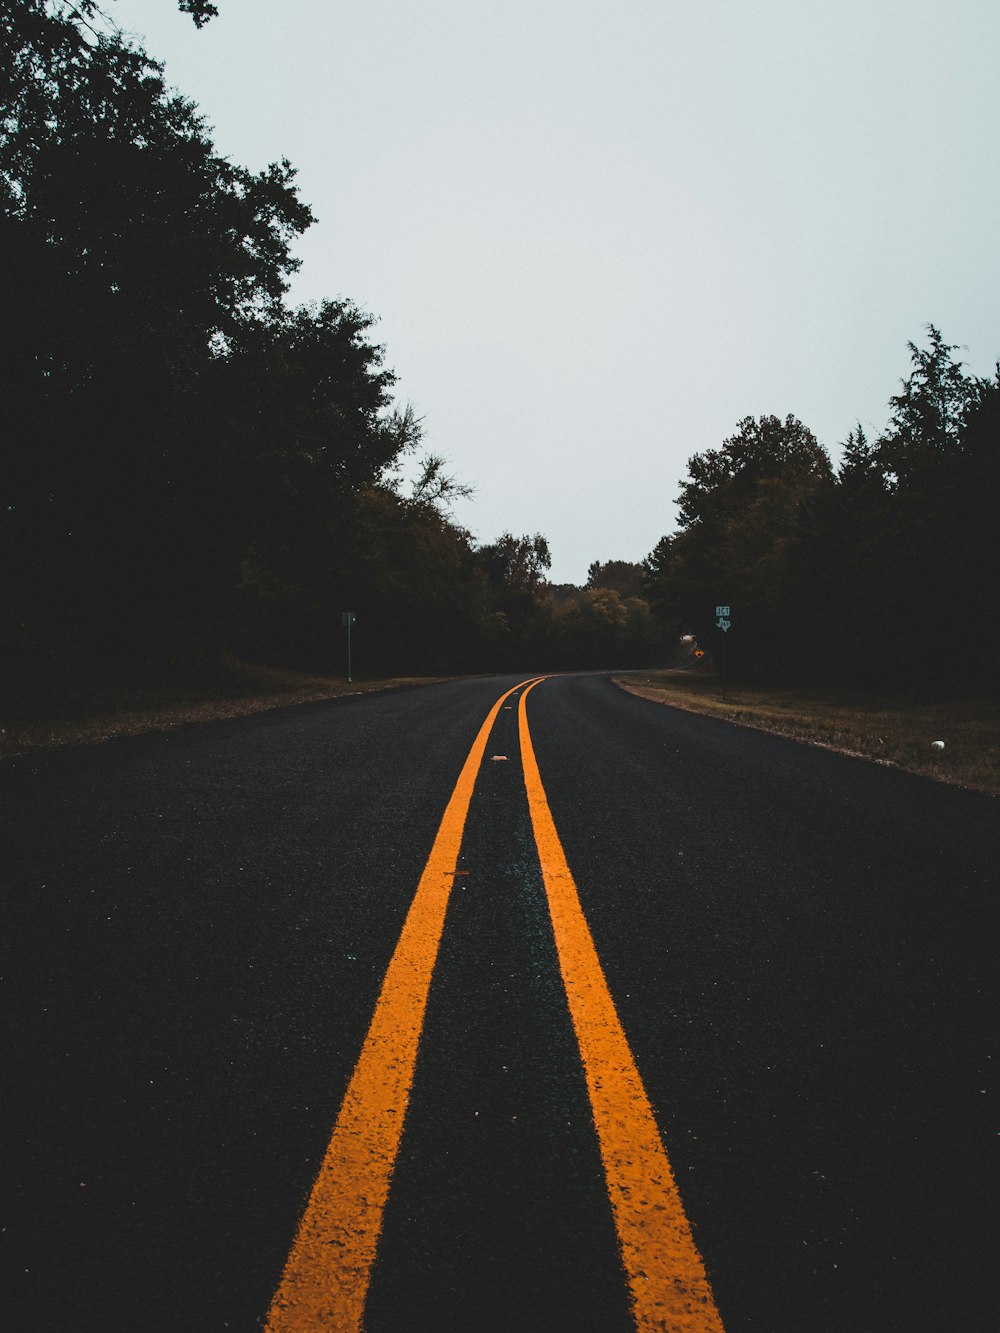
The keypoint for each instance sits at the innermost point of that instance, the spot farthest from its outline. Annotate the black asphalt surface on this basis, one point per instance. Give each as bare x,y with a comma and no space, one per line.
802,948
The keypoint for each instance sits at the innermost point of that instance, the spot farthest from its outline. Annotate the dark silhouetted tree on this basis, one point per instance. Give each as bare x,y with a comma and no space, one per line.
745,515
877,578
623,576
910,515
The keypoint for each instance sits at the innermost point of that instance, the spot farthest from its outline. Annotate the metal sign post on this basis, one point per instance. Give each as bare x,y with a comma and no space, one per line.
723,622
347,619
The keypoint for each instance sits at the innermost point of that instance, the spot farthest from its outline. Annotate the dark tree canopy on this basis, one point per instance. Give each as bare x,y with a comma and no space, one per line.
911,526
761,453
192,467
872,577
622,576
170,424
744,511
516,564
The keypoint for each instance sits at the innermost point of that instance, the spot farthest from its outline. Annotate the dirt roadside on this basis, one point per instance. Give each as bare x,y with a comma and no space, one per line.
955,741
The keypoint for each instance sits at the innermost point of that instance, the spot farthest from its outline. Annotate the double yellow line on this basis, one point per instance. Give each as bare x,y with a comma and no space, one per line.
325,1281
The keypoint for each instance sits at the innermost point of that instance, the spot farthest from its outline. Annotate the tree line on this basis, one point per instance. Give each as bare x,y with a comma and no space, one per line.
878,574
191,465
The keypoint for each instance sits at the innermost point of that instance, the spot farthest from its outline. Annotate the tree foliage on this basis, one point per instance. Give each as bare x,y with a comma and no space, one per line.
911,528
184,455
745,512
872,577
625,577
191,466
516,565
200,10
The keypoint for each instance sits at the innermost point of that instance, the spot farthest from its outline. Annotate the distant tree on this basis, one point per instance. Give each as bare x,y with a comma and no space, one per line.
912,512
745,520
659,574
303,428
857,453
975,635
875,578
516,564
517,618
928,414
597,627
417,586
722,482
625,577
562,592
903,548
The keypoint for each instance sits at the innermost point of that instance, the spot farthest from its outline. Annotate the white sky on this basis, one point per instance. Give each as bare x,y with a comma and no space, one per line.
597,235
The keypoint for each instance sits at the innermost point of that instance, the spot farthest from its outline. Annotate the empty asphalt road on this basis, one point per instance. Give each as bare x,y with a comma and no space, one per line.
656,1022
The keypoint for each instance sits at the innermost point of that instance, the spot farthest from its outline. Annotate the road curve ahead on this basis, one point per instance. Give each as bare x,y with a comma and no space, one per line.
496,1005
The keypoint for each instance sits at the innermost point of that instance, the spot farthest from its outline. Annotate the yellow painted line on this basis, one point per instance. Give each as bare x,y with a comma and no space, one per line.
667,1279
326,1277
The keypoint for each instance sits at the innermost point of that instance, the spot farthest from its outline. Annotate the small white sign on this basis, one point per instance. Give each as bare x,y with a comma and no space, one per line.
722,610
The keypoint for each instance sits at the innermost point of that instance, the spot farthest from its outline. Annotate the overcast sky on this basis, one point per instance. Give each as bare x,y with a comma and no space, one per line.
597,235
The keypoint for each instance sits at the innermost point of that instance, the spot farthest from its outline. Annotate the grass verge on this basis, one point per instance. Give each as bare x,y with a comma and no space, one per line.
236,689
899,731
